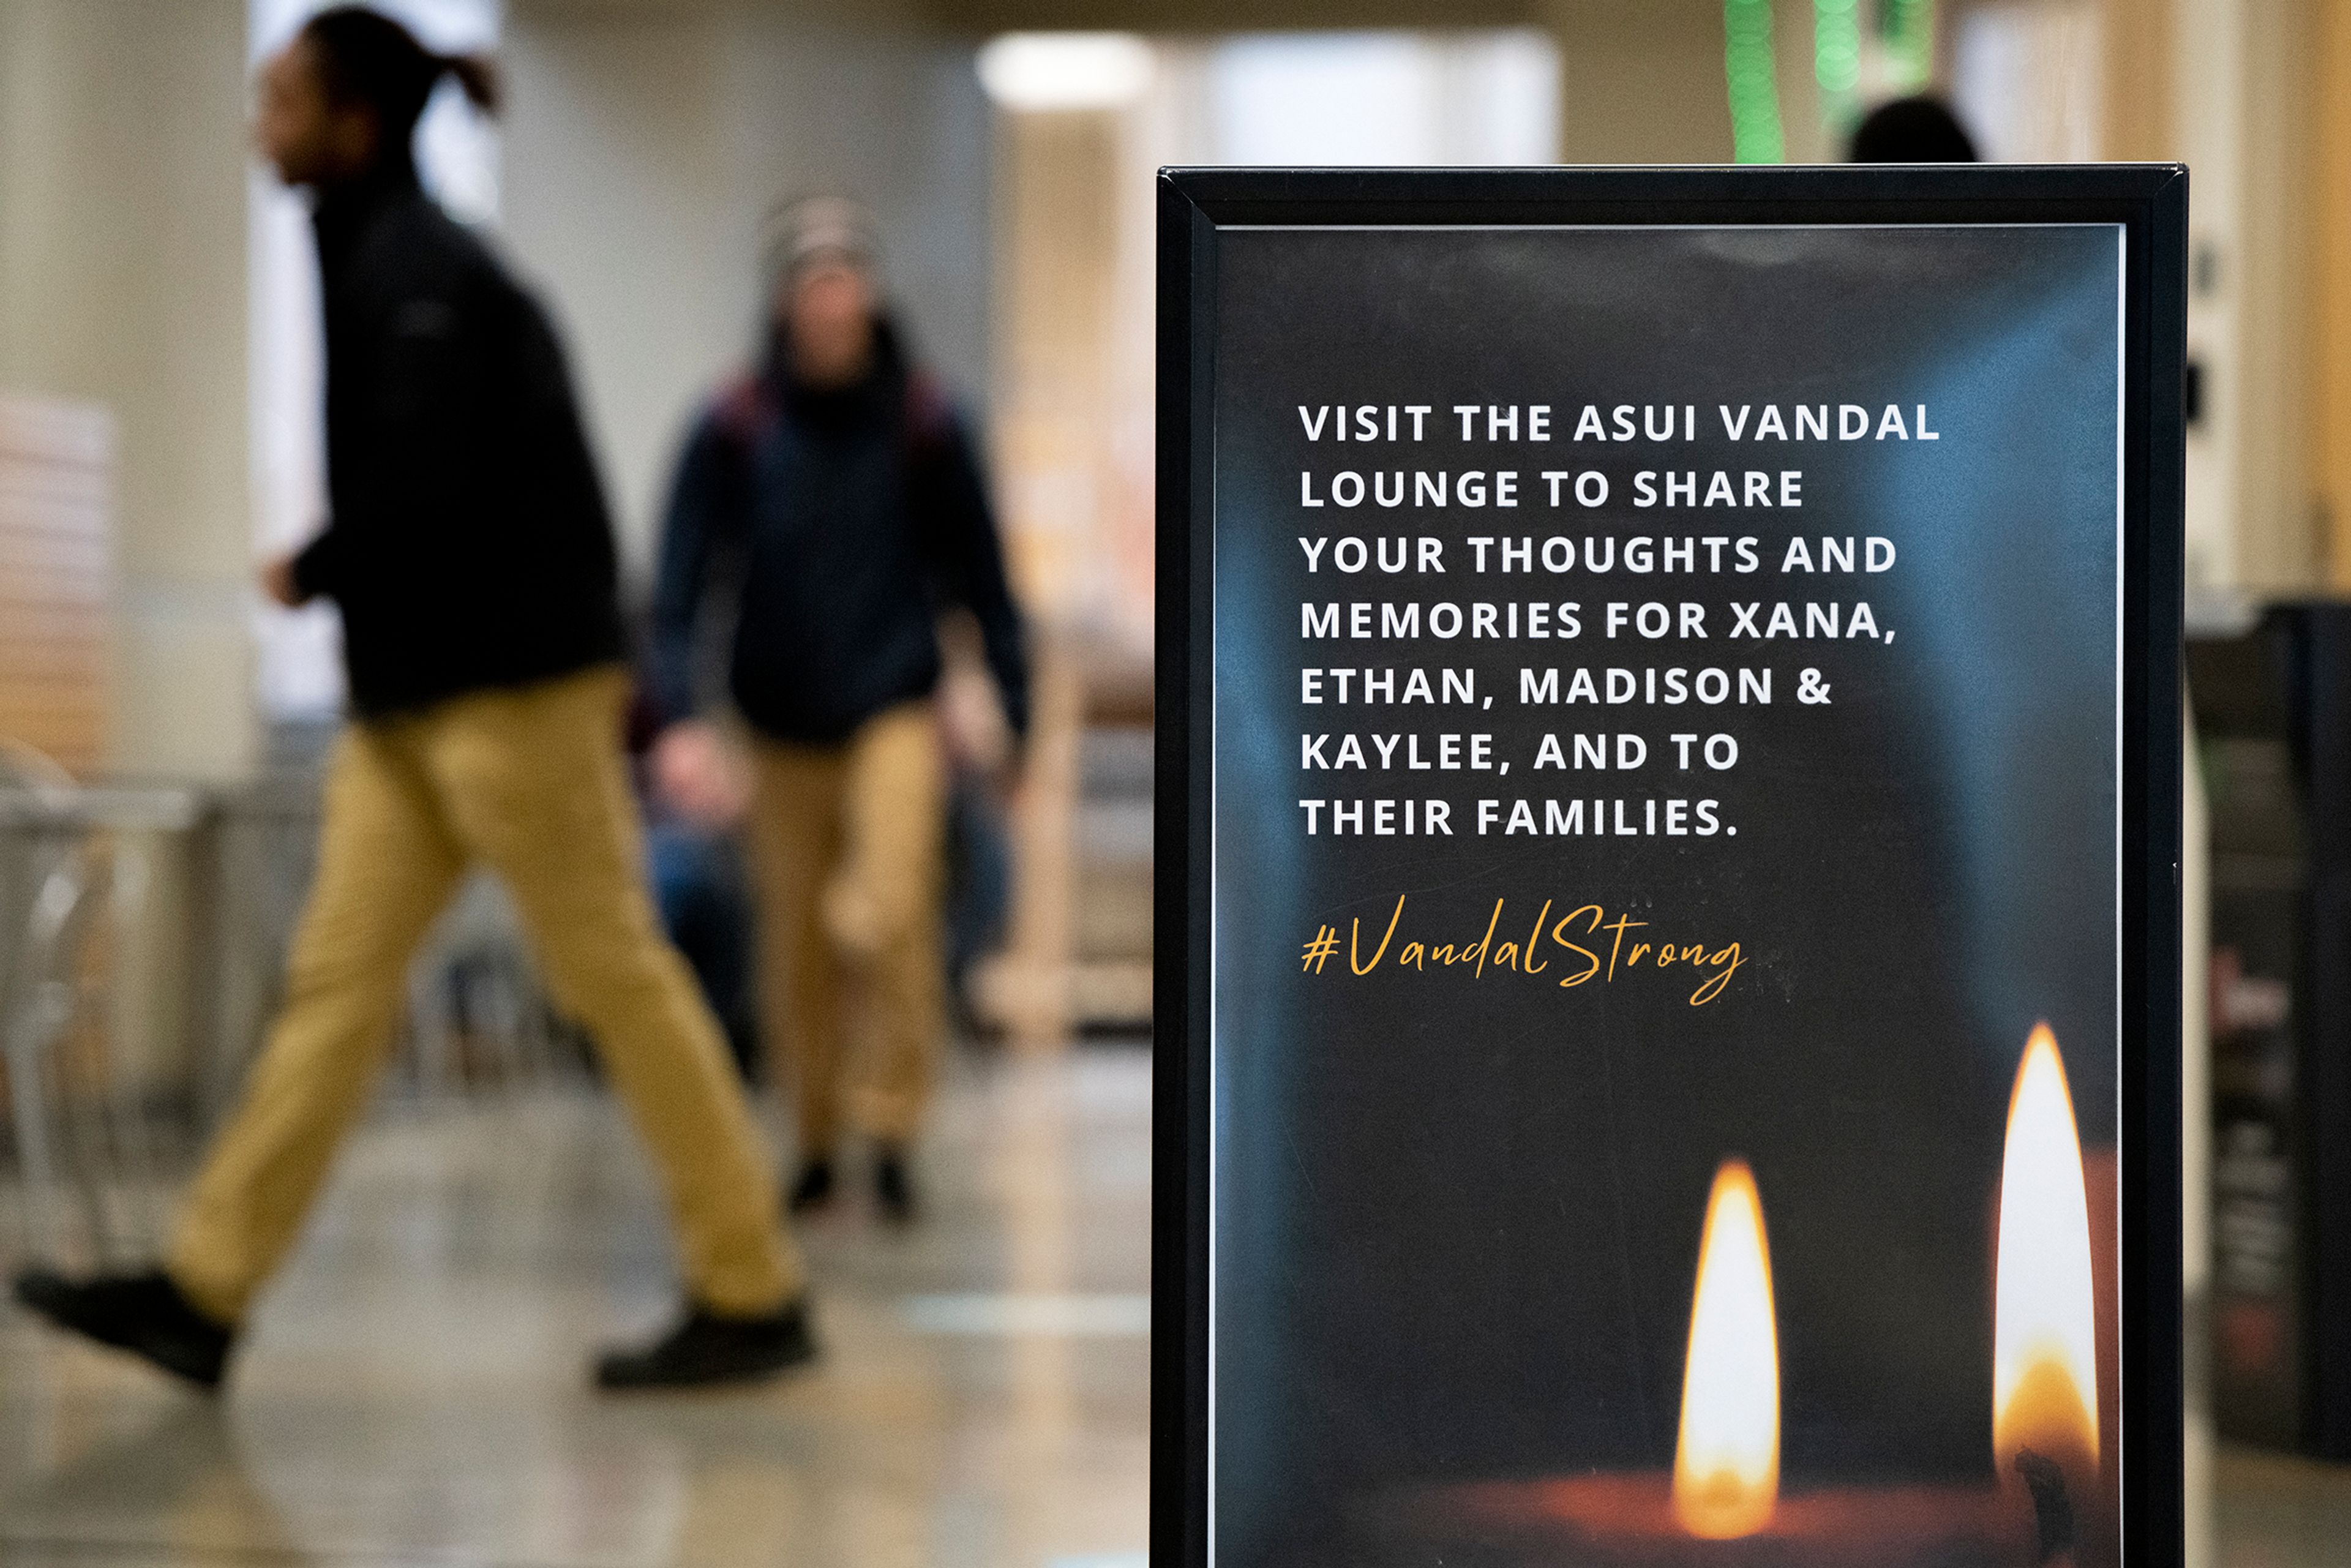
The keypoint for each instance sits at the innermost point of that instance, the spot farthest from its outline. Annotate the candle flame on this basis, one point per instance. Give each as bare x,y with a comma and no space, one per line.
2044,1343
1727,1464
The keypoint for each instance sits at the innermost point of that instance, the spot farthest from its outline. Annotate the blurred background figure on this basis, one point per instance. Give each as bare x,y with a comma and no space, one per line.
470,554
694,814
1911,130
838,494
978,744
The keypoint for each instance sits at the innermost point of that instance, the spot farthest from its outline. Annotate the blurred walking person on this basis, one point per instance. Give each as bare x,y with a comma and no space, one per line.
834,493
471,555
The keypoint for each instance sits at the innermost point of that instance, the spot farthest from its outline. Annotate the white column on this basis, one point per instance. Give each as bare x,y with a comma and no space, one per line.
122,282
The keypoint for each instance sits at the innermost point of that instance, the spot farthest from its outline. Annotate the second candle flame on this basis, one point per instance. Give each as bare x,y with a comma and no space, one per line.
2044,1343
1726,1462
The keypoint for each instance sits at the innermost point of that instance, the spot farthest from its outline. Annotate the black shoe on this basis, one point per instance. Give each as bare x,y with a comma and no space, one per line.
893,1189
706,1349
142,1314
813,1188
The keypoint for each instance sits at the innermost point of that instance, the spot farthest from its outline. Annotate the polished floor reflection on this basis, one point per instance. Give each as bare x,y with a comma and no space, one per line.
414,1389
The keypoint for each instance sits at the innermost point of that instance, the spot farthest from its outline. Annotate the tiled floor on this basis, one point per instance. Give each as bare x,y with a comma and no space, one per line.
413,1389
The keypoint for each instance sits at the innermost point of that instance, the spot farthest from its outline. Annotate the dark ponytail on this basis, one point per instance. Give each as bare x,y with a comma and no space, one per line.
365,58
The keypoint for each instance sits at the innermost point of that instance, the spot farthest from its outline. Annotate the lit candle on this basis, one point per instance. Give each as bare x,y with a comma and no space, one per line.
2044,1363
1721,1507
1726,1459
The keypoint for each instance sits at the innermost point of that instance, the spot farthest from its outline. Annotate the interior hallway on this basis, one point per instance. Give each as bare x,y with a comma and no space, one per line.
414,1386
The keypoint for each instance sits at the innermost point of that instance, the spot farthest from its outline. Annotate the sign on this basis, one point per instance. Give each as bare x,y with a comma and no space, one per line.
1668,942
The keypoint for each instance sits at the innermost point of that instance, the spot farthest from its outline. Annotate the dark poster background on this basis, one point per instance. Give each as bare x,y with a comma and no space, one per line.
1457,1220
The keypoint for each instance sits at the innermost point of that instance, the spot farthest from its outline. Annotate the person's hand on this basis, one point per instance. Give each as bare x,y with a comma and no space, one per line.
278,582
971,723
697,774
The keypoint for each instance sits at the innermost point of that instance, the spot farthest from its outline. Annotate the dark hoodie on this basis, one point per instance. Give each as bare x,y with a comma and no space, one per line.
847,520
470,544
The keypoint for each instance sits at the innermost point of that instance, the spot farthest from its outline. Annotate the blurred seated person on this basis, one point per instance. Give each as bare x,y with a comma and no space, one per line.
978,745
835,491
693,859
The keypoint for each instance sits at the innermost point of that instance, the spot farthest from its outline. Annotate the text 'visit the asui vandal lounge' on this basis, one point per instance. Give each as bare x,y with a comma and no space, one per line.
1665,890
1581,777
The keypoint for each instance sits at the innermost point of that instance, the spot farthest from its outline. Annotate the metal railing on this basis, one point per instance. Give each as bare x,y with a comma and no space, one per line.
77,875
143,931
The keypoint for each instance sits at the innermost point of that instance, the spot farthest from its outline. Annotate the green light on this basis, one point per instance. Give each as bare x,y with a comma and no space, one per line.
1836,45
1909,30
1746,65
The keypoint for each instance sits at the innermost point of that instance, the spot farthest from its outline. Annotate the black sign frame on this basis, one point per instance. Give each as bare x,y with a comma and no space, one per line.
2150,202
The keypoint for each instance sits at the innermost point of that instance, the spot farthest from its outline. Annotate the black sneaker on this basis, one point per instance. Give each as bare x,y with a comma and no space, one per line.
142,1314
704,1349
813,1188
892,1188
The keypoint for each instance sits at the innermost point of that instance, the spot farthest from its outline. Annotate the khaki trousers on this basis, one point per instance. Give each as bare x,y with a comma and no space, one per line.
530,782
848,844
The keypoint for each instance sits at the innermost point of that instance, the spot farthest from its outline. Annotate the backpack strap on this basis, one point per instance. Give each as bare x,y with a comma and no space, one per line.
743,411
930,418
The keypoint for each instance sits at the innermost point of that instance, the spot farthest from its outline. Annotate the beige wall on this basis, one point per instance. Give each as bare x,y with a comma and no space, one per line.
644,148
2278,544
1644,84
2231,88
123,282
2330,216
2140,66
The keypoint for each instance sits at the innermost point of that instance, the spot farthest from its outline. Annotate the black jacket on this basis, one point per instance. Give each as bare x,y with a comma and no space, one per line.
845,521
469,546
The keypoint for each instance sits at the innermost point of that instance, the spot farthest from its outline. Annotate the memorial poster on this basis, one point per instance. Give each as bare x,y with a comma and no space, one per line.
1665,893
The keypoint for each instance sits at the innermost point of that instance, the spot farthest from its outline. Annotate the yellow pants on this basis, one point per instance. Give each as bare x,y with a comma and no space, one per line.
847,845
530,782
